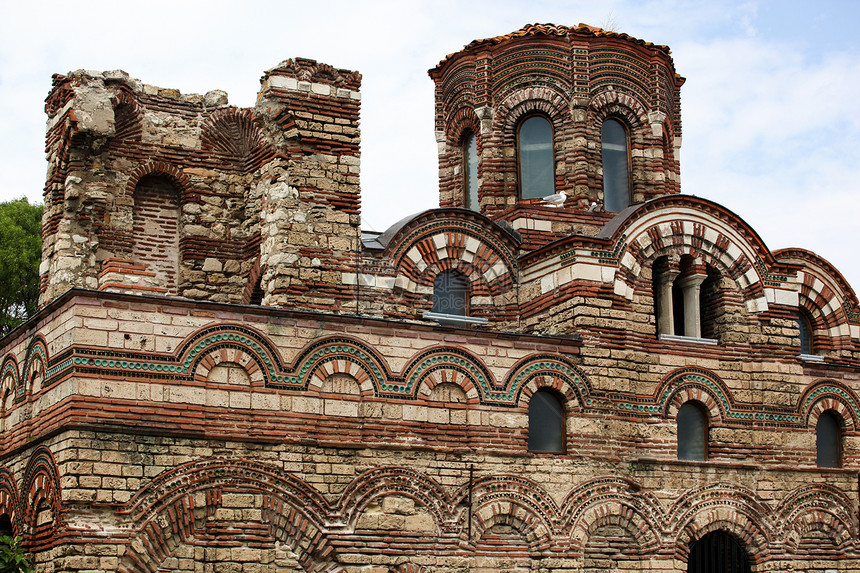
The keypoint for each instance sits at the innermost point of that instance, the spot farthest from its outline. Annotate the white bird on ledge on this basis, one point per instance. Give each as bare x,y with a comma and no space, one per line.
555,200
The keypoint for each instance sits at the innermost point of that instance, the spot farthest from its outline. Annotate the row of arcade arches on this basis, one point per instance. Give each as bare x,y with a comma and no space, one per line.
740,526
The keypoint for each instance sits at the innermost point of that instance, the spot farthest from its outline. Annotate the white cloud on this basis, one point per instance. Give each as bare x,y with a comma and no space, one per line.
770,125
772,133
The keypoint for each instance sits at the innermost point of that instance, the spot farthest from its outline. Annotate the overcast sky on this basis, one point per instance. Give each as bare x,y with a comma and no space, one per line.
770,116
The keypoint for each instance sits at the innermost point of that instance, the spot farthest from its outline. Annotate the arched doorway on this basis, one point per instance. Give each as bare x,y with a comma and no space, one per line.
6,527
718,552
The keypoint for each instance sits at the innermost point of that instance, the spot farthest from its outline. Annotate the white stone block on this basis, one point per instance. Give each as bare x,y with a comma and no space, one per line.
587,271
284,82
817,285
711,235
413,255
733,253
402,282
665,229
607,274
472,245
321,89
785,296
563,276
547,283
628,260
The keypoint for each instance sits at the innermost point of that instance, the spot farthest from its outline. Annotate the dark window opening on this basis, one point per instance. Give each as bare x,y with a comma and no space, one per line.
692,432
804,326
718,552
470,171
546,422
257,292
616,164
710,304
6,525
678,309
828,438
537,166
451,293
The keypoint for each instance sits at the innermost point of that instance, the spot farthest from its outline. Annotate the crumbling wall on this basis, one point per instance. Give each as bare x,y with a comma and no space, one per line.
157,192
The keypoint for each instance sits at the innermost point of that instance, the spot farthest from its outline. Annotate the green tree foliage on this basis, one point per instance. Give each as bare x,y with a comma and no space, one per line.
20,254
12,556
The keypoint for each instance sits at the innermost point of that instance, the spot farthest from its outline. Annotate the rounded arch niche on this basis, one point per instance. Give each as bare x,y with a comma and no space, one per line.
718,552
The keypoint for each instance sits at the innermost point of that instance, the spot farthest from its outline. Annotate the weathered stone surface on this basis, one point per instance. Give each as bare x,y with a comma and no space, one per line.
278,402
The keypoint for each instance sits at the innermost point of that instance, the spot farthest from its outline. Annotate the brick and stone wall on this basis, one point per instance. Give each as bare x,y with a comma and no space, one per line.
575,77
154,191
165,435
227,375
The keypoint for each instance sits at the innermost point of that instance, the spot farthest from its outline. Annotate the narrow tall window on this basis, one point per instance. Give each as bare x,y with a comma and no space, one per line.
450,293
546,422
6,527
470,171
692,432
678,309
257,293
537,169
616,184
828,440
805,328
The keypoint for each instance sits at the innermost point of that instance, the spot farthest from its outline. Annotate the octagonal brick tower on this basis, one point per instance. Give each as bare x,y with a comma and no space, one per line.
579,83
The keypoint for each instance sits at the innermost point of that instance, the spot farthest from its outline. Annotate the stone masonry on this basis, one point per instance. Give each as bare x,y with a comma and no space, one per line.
228,376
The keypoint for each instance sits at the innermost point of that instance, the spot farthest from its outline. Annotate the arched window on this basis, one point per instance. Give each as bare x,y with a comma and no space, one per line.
537,167
805,327
450,293
470,171
546,422
687,299
692,432
828,440
718,552
616,162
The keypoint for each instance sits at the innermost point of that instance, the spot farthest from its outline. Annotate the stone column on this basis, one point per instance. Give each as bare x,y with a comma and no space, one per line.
666,312
690,286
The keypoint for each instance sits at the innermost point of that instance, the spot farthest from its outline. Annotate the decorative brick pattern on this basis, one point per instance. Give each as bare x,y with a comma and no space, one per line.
228,375
576,77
